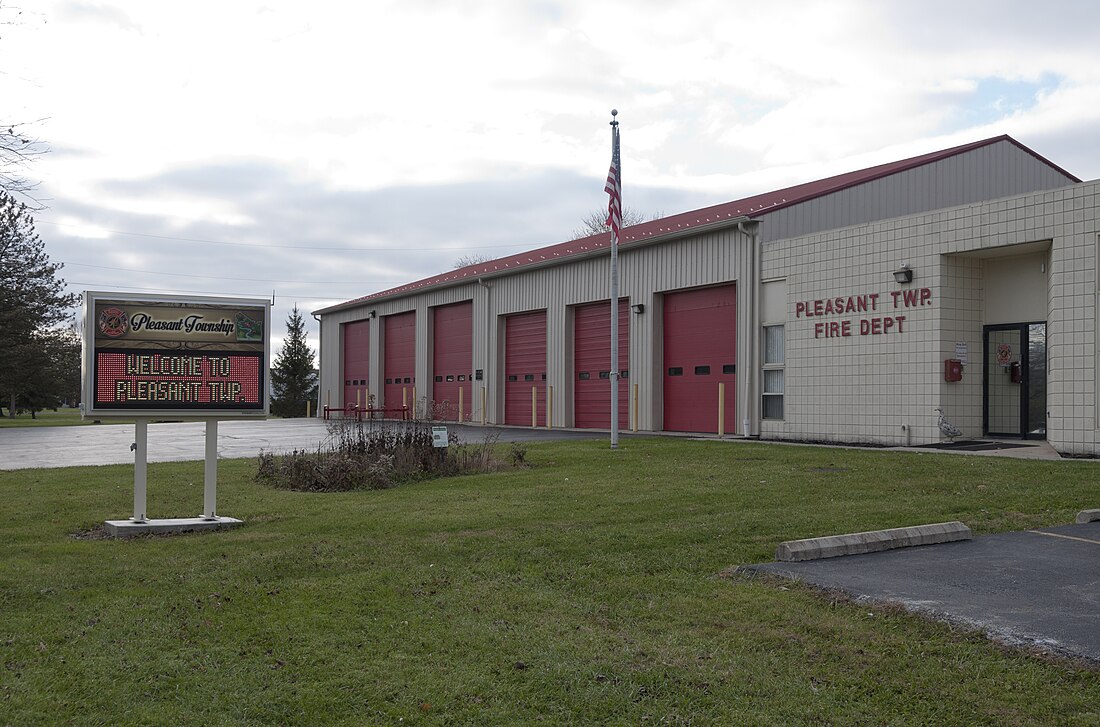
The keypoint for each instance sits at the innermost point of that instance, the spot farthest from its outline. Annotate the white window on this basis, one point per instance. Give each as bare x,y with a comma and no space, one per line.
773,372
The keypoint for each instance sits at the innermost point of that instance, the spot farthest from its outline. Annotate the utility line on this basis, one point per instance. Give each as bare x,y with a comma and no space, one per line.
250,280
96,286
293,247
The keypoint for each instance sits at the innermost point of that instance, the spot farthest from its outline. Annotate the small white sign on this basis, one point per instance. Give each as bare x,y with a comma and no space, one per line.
439,436
962,351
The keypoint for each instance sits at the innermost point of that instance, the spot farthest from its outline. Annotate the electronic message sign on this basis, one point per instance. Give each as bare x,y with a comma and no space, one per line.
175,356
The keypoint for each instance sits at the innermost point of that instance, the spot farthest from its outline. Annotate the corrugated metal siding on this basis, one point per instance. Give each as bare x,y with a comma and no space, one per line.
724,256
718,257
331,349
990,172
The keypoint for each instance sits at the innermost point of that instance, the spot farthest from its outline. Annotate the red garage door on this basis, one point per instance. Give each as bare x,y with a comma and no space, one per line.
700,351
524,367
452,360
399,364
356,361
592,364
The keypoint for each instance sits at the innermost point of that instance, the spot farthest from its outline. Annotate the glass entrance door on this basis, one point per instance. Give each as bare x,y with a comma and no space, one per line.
1015,397
1037,381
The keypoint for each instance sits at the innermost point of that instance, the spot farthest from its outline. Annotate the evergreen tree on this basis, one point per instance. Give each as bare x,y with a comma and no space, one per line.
293,378
32,302
53,376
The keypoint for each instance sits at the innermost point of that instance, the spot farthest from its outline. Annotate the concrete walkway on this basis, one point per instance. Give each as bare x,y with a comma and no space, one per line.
1016,449
30,447
100,444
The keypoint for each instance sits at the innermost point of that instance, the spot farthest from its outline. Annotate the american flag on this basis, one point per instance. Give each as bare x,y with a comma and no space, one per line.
614,188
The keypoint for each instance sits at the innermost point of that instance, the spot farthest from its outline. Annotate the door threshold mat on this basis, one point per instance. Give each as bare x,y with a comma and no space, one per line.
975,445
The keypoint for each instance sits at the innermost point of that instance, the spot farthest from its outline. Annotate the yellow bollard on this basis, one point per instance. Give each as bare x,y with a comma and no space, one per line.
358,401
634,418
534,406
308,402
721,409
461,404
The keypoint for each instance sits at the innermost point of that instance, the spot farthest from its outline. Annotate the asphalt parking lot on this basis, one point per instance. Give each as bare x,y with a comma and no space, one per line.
1036,588
22,448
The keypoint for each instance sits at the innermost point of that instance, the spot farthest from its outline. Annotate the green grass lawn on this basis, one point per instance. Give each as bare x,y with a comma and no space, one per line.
588,589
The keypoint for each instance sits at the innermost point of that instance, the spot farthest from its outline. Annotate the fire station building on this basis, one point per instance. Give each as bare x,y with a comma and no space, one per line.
843,310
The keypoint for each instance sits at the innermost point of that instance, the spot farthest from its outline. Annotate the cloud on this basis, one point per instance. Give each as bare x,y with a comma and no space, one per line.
388,236
95,13
412,131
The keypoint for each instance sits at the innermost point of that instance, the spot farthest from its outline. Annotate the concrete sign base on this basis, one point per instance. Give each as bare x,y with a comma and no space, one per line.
167,526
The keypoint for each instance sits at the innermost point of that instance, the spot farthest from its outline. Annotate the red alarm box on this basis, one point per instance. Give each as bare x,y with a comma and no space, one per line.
952,370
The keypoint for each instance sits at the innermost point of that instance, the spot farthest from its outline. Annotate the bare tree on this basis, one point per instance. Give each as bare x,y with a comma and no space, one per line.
595,223
591,224
472,258
17,150
18,147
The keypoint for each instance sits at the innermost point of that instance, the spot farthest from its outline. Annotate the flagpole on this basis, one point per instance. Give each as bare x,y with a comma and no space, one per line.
615,208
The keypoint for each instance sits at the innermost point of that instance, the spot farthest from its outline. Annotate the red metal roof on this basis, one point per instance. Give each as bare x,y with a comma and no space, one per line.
749,207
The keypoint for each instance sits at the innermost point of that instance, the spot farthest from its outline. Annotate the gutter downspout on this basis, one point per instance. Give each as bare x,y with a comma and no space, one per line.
320,367
488,345
750,425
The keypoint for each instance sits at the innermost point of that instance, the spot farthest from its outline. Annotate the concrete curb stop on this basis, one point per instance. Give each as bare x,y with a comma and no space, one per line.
872,541
1088,516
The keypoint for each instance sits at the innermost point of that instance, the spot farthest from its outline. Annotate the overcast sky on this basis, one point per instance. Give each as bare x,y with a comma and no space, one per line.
326,150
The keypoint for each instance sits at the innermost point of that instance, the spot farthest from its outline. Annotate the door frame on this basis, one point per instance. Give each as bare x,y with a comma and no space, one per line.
1025,376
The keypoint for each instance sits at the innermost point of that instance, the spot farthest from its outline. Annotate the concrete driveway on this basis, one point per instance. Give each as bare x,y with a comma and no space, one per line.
1037,588
29,447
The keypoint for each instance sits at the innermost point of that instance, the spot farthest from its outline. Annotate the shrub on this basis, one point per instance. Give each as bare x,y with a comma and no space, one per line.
374,455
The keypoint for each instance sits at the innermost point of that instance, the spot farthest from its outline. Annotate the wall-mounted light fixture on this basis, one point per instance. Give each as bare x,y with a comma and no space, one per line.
638,308
904,274
372,314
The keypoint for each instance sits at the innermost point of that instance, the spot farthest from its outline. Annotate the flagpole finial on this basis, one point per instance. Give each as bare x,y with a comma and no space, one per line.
614,113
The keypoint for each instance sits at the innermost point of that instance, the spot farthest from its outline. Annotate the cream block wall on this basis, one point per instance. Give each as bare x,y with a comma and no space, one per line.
867,386
960,320
1016,288
864,388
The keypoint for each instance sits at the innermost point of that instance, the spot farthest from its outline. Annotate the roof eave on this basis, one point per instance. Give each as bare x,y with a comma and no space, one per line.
596,252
